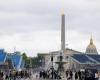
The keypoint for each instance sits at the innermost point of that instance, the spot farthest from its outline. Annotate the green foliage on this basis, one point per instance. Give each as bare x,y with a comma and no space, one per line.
37,61
32,61
24,56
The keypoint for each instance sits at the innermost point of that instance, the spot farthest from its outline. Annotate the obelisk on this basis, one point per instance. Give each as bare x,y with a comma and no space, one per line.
63,32
61,58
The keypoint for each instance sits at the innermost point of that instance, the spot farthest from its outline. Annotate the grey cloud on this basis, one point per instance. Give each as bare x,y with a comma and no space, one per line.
26,16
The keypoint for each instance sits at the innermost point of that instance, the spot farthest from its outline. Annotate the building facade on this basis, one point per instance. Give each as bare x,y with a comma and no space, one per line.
75,60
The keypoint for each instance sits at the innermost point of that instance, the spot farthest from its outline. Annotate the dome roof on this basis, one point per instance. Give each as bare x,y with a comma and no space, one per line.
91,48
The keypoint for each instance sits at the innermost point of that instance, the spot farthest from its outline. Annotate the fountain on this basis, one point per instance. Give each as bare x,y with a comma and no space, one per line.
61,62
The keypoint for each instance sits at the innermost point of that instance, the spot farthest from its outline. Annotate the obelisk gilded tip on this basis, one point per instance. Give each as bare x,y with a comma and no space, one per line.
62,12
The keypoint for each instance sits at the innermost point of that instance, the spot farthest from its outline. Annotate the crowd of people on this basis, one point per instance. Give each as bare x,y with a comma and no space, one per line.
14,75
51,74
71,75
83,75
77,75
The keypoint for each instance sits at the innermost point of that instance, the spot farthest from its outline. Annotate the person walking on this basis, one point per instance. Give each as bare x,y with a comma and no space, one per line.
96,76
76,76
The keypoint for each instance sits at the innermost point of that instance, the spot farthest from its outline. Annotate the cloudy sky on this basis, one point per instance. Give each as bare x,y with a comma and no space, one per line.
33,26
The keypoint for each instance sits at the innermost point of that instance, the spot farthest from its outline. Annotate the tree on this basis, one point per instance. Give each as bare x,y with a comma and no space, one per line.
25,58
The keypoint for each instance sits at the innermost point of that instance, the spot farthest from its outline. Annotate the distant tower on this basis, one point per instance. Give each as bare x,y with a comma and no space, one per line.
63,32
91,48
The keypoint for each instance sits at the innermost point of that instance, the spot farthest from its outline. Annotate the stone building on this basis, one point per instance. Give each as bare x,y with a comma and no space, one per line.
75,60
